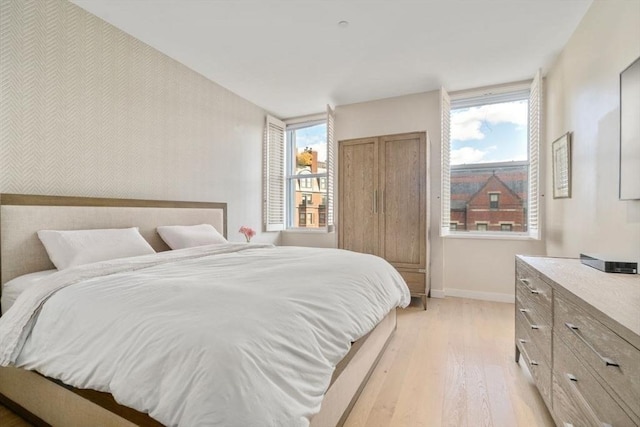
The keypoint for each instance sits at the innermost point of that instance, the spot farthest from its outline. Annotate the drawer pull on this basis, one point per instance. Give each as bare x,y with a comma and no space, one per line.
531,362
524,312
573,380
576,331
526,284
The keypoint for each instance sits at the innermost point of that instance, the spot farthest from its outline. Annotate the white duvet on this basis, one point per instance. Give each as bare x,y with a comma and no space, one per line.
225,335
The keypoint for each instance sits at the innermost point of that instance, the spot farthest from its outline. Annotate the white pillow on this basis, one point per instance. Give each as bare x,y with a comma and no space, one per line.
188,236
76,247
14,287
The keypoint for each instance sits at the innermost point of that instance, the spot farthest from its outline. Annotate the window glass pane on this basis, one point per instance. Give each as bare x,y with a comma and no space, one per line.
490,167
308,148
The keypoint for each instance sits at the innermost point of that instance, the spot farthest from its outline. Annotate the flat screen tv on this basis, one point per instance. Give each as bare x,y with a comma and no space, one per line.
630,132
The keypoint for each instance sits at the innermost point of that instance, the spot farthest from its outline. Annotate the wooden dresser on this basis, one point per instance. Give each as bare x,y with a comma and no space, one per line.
578,330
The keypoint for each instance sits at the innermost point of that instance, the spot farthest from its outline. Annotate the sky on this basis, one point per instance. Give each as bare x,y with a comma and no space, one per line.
489,133
314,137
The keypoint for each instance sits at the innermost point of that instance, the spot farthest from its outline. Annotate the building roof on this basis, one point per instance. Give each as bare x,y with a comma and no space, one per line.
467,180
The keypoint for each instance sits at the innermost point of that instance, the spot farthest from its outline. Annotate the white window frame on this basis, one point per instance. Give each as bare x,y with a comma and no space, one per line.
503,93
293,179
276,171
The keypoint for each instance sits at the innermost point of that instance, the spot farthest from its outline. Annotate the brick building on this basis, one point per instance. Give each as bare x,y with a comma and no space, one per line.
489,197
310,194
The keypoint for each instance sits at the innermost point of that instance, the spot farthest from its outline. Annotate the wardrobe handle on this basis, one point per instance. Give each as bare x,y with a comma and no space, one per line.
382,201
375,201
576,331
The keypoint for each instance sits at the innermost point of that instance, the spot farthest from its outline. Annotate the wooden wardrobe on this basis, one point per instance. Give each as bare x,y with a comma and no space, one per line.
383,192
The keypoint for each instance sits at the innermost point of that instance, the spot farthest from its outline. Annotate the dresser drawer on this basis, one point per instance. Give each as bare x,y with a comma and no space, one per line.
578,398
415,281
612,358
538,367
533,291
538,324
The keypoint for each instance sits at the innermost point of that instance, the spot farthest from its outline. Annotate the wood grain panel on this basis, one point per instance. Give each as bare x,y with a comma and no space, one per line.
533,291
358,216
592,341
614,305
539,326
415,281
383,202
582,388
403,204
539,367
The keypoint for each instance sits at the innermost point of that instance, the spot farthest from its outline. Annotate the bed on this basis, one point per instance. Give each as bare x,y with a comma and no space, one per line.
21,253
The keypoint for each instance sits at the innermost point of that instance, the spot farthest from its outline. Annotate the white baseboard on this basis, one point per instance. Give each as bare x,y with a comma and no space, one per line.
463,293
437,293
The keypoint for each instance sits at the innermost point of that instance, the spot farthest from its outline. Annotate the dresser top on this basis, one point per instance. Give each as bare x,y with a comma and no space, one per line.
616,296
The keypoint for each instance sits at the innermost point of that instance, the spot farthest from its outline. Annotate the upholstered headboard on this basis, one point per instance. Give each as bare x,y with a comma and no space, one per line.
21,216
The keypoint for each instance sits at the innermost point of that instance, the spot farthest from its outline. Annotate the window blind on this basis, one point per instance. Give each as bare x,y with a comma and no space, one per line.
535,126
273,174
445,137
330,165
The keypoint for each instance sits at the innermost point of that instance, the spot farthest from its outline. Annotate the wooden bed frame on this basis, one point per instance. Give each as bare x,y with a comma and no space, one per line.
45,401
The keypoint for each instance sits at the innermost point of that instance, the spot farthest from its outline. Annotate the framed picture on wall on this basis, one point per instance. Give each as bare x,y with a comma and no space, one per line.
561,152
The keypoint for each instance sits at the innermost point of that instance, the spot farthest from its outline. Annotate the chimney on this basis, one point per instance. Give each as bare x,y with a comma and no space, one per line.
314,162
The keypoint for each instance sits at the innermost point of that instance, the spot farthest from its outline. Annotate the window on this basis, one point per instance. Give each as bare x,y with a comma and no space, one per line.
323,184
297,168
494,199
453,226
306,165
490,144
506,227
305,183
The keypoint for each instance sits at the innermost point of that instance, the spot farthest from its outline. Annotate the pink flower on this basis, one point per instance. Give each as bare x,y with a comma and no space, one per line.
248,232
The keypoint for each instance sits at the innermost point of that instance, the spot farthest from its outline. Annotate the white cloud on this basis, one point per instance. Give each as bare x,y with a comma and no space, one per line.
467,124
467,155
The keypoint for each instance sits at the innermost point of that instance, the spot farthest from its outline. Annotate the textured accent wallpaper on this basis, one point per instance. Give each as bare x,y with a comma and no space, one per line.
87,110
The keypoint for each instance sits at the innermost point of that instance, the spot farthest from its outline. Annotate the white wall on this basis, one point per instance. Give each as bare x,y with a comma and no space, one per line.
87,110
583,97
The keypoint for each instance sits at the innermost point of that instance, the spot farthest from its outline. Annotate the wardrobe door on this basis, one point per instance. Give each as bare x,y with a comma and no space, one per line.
358,186
403,201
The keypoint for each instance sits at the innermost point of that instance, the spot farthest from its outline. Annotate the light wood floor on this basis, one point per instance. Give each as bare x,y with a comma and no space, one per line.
452,365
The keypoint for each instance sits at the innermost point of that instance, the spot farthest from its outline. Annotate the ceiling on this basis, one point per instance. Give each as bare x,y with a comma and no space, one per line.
291,57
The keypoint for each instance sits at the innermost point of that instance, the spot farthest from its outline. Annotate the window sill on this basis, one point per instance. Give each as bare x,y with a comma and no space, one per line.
303,230
488,236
